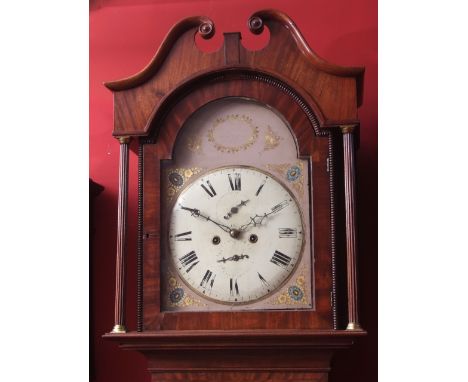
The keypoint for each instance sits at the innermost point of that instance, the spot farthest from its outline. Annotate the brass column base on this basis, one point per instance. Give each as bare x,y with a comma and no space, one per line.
353,326
119,329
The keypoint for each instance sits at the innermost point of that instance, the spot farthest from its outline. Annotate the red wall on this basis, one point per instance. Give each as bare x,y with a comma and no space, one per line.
124,35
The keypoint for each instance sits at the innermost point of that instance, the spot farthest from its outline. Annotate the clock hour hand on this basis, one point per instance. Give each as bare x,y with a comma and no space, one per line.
196,212
258,219
233,258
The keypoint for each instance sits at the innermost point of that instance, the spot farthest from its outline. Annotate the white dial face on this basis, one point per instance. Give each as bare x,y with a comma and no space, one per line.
235,235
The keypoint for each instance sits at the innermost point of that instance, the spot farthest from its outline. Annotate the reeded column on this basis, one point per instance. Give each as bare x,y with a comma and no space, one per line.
350,204
119,317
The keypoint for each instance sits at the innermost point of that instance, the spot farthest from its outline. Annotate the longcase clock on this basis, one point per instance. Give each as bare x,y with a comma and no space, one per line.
246,217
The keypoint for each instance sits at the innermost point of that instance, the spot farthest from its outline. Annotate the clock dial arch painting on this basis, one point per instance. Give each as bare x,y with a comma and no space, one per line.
244,176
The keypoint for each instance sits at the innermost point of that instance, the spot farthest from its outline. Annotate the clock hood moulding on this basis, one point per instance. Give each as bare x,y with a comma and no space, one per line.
334,92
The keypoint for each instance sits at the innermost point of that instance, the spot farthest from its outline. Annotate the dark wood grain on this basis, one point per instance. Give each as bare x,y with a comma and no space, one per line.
254,355
241,339
151,239
231,48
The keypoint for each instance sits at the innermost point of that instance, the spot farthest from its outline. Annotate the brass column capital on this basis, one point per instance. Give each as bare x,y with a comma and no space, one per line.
124,139
347,129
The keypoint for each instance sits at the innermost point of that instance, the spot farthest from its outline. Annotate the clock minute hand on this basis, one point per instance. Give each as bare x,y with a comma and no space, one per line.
278,207
258,219
196,212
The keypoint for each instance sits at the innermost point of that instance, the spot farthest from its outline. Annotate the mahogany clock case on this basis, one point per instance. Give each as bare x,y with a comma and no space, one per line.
313,96
319,101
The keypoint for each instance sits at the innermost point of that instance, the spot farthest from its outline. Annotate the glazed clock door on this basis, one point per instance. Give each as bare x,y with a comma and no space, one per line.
236,203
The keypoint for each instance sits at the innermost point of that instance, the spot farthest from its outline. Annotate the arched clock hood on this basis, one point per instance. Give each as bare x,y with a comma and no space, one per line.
334,92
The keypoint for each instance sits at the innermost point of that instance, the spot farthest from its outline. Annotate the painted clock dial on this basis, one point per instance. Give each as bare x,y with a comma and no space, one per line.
237,212
235,234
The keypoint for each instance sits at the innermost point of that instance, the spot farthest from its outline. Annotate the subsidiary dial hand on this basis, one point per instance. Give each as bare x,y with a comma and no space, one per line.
235,209
196,212
258,219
